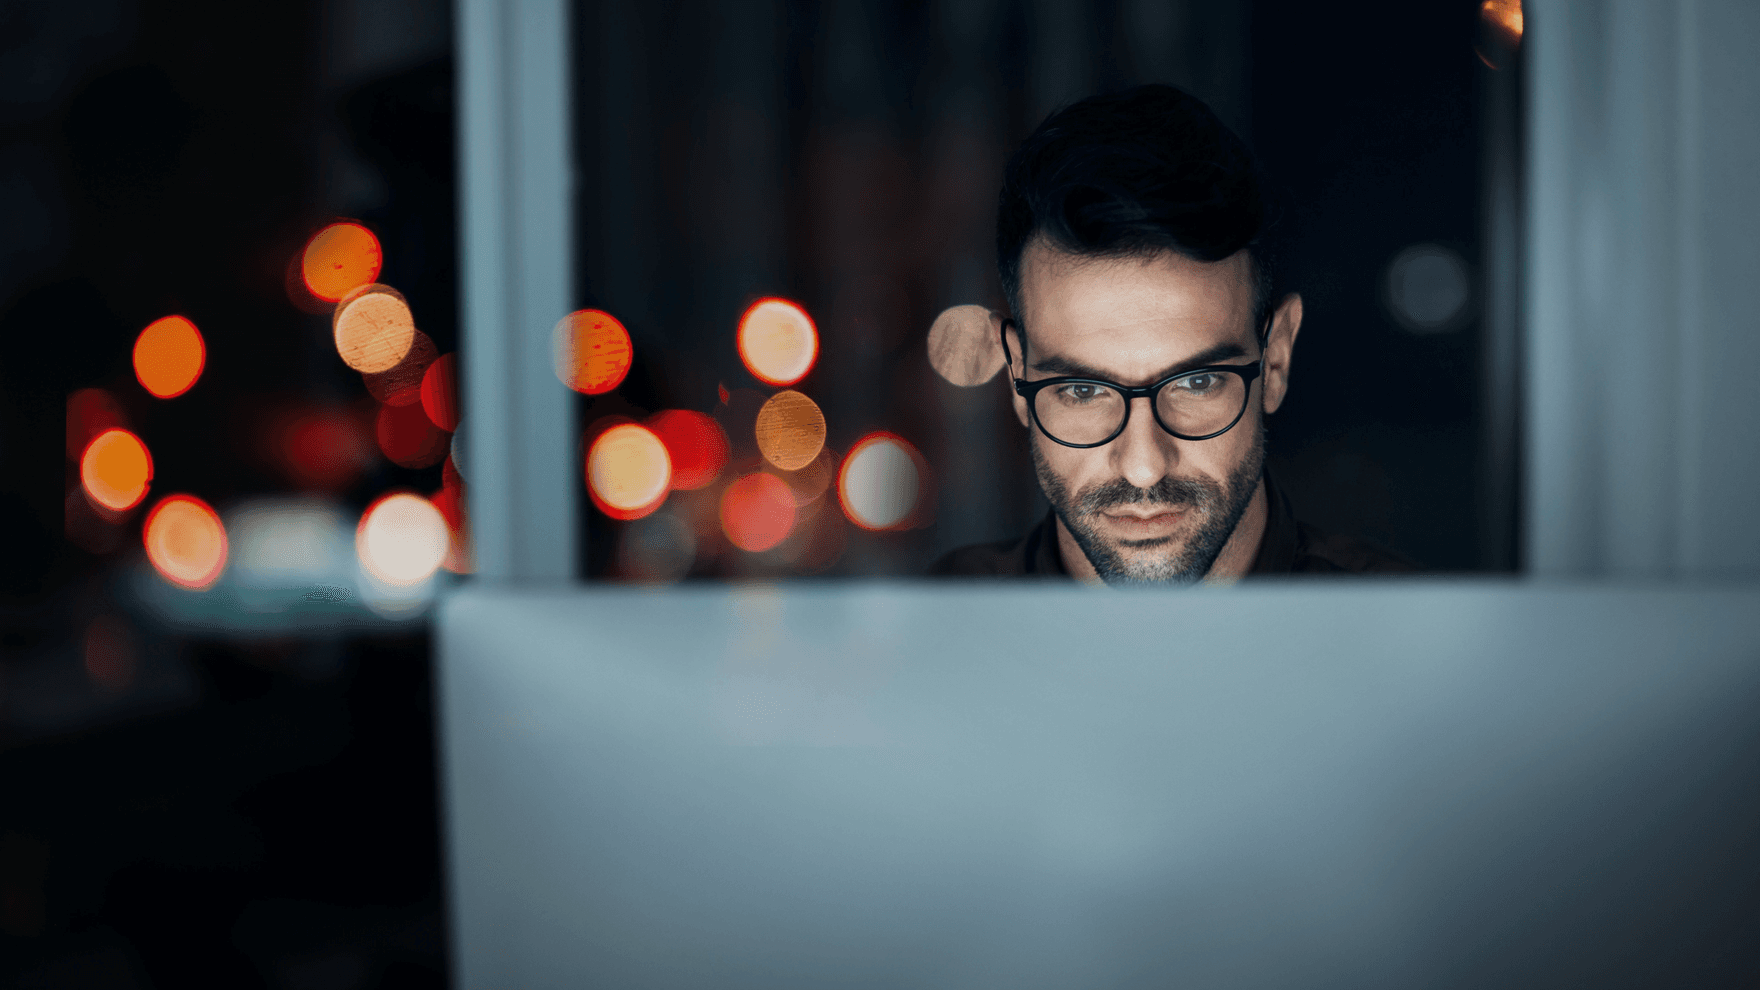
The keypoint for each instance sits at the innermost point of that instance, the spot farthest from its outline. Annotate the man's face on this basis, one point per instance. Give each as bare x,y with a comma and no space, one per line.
1148,506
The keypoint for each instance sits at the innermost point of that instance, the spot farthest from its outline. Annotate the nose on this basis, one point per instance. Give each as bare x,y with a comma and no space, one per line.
1144,453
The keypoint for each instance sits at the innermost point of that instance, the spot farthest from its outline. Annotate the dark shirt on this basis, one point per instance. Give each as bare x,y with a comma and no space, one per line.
1287,547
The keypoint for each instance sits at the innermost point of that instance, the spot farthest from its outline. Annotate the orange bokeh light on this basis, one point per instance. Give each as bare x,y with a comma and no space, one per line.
790,430
592,351
374,328
440,392
757,512
407,438
881,481
169,356
778,341
185,541
402,538
339,259
116,470
695,444
629,471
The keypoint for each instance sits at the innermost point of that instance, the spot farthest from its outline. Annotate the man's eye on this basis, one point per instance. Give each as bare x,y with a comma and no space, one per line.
1199,384
1080,392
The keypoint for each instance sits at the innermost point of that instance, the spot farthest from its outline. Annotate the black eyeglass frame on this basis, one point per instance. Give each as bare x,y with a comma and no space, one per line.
1030,390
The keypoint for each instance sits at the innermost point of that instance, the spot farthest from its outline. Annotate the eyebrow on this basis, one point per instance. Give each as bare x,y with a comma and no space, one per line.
1054,365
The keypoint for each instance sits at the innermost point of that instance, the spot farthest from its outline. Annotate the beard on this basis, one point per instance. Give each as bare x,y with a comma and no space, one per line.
1218,508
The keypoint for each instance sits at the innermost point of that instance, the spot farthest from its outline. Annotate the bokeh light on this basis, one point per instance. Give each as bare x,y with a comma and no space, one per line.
812,480
1500,31
629,471
450,501
407,438
185,541
440,392
757,512
401,540
777,341
374,328
790,430
964,346
339,259
169,356
695,444
90,411
592,351
880,482
401,384
279,542
321,448
116,470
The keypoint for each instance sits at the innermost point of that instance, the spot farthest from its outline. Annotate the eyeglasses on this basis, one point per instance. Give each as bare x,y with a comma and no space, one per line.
1089,412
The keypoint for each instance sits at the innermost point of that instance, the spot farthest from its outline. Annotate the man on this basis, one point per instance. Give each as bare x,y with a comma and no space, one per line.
1145,351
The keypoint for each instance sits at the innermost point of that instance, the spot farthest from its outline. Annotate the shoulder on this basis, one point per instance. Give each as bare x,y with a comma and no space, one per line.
981,560
1319,552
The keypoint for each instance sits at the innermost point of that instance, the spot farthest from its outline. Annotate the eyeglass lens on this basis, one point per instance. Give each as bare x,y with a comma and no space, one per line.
1192,405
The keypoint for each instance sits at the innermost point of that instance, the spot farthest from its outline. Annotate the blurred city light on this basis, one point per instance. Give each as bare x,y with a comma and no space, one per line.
401,540
401,384
185,541
757,512
811,480
450,501
592,351
629,471
695,444
660,547
777,341
339,259
288,542
109,653
439,392
880,482
321,448
964,347
116,470
408,438
90,411
169,356
790,430
1500,28
374,328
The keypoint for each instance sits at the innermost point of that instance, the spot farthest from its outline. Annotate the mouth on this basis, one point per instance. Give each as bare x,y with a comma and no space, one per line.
1145,524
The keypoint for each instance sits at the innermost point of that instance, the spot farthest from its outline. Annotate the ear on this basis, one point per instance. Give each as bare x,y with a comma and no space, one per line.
1016,366
1279,345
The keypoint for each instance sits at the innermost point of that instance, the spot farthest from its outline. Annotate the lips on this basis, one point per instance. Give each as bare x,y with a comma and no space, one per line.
1134,524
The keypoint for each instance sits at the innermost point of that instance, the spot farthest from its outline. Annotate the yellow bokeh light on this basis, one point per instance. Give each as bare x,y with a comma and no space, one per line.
402,538
374,328
629,471
777,341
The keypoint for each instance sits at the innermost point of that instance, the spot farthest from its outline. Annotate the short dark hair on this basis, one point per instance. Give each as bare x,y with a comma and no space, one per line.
1134,173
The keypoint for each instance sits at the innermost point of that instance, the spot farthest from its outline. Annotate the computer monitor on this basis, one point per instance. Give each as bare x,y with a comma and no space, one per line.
1297,784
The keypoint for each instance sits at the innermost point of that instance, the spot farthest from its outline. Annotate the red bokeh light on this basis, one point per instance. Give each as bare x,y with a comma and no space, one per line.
407,438
90,411
322,449
696,444
757,512
440,392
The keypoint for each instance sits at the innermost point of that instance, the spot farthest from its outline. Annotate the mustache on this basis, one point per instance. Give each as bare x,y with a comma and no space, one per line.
1170,491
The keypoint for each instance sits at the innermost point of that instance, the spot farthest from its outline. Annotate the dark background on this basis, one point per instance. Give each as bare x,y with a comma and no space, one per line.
260,811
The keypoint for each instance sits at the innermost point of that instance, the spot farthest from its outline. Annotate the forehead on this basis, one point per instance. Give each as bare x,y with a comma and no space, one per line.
1133,316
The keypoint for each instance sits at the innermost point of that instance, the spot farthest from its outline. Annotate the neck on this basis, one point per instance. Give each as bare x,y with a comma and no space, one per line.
1233,563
